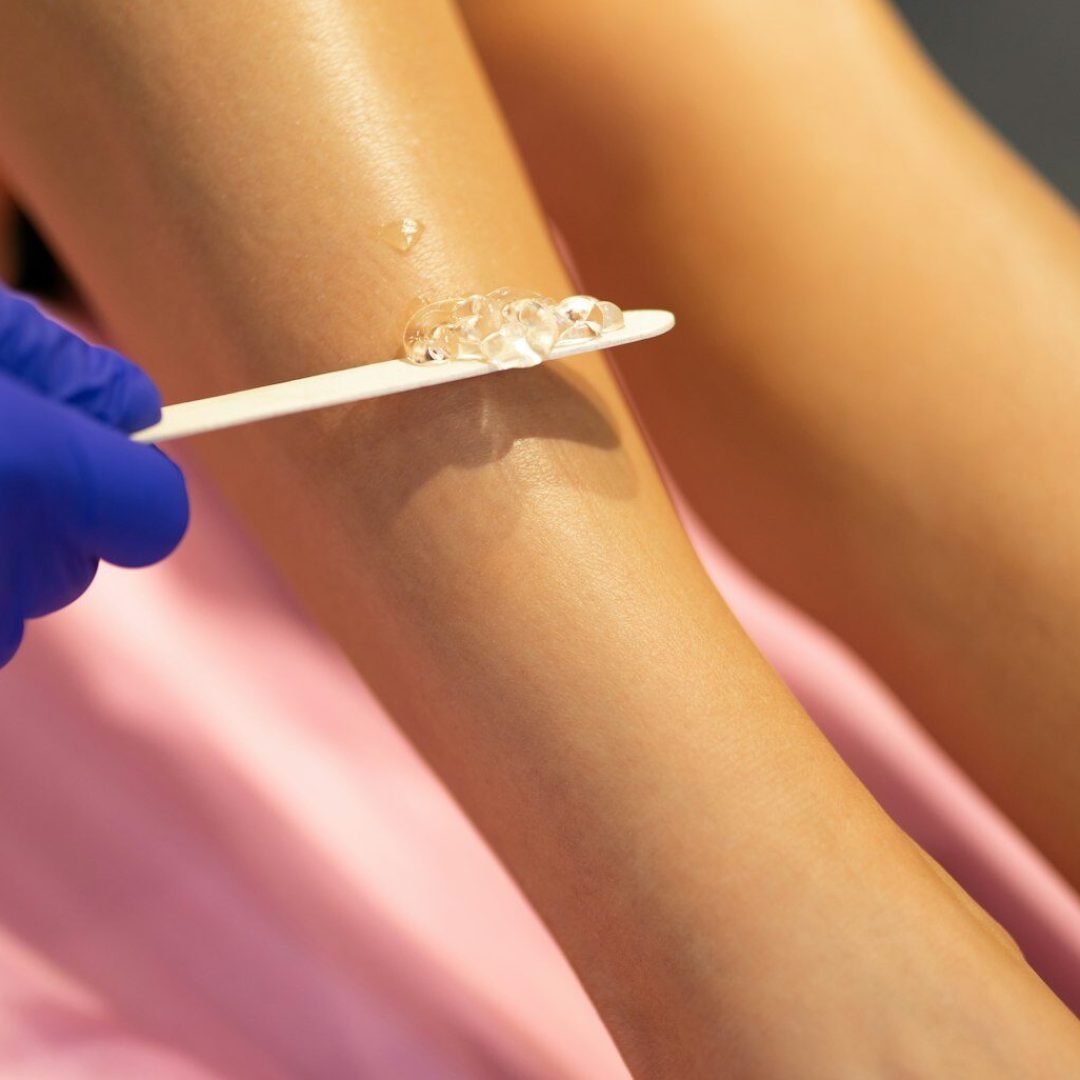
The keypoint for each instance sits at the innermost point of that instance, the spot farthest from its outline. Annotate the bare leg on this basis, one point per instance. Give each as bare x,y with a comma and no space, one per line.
499,558
873,396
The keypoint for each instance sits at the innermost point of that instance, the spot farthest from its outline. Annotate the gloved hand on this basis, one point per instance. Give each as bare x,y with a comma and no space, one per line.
73,488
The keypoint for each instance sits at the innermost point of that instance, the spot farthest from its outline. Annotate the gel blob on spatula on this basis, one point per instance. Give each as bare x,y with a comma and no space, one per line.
443,342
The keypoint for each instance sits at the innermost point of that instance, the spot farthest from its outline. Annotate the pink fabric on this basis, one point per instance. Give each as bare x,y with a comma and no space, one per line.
219,859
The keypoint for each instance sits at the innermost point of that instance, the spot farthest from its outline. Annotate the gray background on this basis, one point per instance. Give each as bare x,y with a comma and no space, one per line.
1018,62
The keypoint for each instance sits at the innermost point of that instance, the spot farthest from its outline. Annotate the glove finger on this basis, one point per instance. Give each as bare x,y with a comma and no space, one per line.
56,362
136,501
42,568
60,574
70,481
11,633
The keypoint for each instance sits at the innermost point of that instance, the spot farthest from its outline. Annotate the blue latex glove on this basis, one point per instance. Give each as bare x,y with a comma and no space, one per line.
73,488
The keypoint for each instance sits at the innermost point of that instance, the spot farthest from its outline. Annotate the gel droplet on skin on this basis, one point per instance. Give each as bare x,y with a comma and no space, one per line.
508,347
421,300
507,327
475,317
401,235
580,317
431,321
